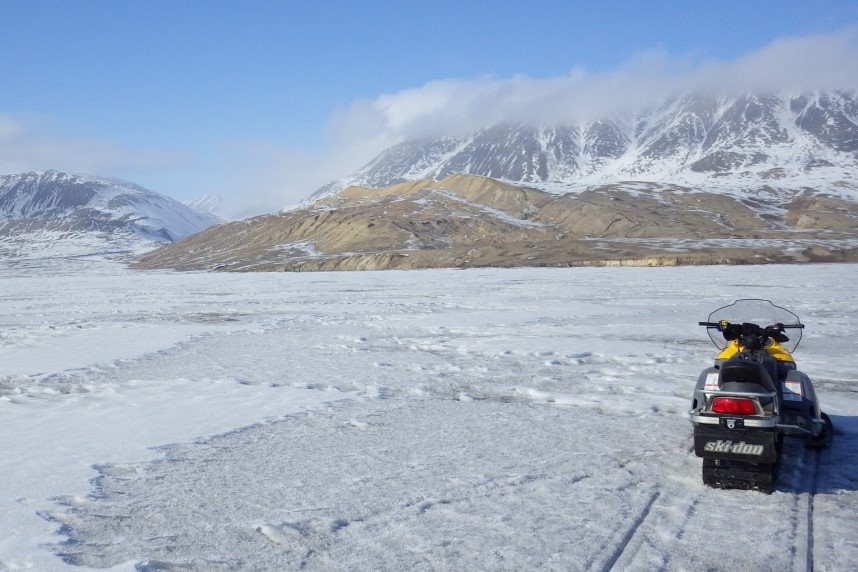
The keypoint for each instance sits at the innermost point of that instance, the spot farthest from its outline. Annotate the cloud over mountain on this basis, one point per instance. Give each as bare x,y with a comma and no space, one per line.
256,173
457,106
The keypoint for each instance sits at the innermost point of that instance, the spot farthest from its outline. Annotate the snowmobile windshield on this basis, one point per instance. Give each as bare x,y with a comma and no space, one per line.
760,312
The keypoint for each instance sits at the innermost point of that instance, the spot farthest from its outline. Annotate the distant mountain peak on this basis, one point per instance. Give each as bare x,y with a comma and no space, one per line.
696,140
43,207
208,203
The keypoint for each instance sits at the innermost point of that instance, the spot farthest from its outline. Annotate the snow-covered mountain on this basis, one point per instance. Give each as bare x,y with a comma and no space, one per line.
738,143
58,213
209,204
751,179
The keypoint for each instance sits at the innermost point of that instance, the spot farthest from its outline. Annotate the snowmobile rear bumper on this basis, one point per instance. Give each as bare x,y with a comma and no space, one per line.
754,422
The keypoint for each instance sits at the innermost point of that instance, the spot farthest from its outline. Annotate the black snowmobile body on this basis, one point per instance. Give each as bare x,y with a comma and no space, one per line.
753,397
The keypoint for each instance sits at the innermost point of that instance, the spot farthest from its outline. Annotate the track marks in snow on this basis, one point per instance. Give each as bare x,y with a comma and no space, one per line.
835,503
807,498
626,548
798,478
303,537
660,531
414,484
683,525
810,499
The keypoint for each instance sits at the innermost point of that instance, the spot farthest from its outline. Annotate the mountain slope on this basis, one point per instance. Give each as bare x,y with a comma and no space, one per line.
697,180
736,144
59,213
468,221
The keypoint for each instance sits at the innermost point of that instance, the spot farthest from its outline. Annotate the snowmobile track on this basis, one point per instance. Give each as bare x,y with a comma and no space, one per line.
626,545
811,493
801,481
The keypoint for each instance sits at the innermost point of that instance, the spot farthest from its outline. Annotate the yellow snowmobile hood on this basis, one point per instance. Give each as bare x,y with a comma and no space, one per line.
773,348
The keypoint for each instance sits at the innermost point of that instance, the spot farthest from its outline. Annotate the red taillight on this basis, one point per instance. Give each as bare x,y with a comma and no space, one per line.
733,406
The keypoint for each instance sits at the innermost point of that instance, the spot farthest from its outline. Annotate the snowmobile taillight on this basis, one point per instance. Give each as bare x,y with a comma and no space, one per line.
733,406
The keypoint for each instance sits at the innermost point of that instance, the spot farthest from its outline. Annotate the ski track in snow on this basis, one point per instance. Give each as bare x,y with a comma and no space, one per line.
493,420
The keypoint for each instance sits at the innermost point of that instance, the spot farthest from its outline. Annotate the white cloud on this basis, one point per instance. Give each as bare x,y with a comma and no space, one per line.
258,177
365,127
821,62
449,106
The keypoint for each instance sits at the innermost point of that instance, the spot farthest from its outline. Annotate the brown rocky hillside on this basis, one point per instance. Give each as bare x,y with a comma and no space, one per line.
471,221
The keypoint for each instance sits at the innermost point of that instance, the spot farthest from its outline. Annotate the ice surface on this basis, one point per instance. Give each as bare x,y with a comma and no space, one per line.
483,420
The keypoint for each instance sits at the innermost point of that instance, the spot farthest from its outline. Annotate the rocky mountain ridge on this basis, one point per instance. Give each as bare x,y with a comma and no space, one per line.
697,180
725,144
468,221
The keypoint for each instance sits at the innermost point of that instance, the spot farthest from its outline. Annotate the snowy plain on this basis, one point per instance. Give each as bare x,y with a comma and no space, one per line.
525,419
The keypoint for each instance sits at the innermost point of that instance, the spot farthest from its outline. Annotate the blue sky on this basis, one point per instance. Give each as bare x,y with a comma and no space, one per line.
261,102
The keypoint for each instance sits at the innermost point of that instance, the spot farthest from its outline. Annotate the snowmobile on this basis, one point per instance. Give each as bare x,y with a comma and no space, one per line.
753,397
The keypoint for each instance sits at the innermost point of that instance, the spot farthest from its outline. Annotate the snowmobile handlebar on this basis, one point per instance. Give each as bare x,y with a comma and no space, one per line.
724,324
751,335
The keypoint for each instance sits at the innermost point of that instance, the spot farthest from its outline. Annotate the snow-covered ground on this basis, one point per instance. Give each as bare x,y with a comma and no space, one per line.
426,420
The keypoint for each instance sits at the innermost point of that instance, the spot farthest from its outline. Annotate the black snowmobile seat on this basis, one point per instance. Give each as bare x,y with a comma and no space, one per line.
746,376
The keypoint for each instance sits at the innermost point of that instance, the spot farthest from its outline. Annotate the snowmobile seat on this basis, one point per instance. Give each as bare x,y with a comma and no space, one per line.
747,376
